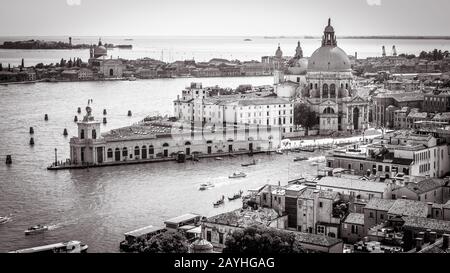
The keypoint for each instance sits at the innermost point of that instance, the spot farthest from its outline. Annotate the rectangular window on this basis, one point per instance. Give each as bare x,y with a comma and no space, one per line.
320,204
320,229
208,236
370,214
221,238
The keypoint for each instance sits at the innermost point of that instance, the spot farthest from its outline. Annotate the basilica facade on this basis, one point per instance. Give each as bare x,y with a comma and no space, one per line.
329,89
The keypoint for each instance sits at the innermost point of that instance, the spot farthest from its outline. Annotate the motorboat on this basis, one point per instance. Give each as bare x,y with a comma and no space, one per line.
237,175
280,152
65,247
4,219
132,78
36,229
300,158
236,196
206,186
314,163
218,158
249,164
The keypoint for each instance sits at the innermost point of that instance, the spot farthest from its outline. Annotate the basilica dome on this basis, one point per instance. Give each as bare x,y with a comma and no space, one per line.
329,57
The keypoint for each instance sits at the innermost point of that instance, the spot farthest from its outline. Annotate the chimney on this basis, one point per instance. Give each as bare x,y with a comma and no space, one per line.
427,236
419,243
445,238
432,237
430,209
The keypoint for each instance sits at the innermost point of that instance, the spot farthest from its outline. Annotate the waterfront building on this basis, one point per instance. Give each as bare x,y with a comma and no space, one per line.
197,104
111,68
85,74
159,139
70,75
407,154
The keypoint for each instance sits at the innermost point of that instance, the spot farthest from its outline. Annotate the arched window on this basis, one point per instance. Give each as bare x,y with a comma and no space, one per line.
110,153
346,86
94,134
151,150
332,90
310,86
342,85
165,145
144,152
325,90
315,86
187,143
82,134
111,72
124,152
136,151
328,110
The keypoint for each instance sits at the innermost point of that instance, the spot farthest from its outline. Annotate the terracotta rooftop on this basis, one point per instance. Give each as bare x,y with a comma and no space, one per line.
355,184
406,207
425,185
245,217
380,204
426,223
355,218
315,239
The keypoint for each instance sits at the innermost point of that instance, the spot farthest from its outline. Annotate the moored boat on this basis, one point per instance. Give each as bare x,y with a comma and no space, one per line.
249,164
219,202
300,158
237,175
218,158
66,247
236,196
36,229
307,149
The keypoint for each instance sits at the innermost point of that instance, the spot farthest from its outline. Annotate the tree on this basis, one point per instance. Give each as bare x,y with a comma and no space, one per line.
263,240
167,242
304,116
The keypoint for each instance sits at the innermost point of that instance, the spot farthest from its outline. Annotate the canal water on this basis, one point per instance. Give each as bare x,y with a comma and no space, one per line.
97,206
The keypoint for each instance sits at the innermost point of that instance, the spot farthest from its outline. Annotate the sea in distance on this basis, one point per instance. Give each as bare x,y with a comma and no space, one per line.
170,49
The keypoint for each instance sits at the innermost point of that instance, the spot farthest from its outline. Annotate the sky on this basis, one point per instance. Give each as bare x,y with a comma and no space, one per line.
222,17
